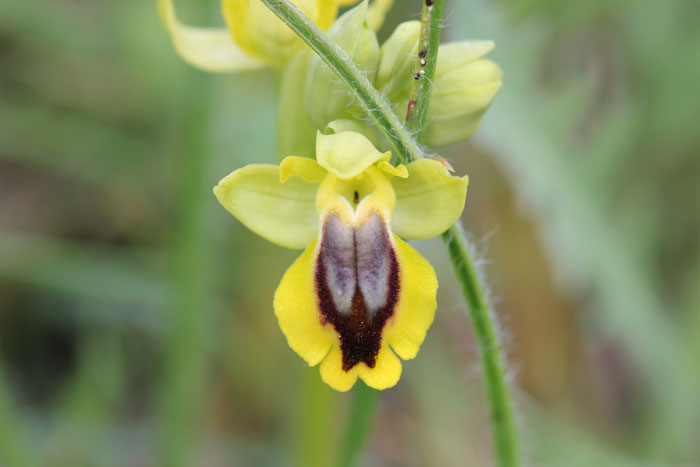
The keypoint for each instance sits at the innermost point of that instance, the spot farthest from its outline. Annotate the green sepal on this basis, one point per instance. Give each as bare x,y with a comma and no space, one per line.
429,201
283,213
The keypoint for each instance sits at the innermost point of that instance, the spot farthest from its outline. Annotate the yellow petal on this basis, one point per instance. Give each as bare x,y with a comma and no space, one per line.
263,35
415,310
302,167
332,372
429,201
346,154
210,49
296,309
283,213
386,371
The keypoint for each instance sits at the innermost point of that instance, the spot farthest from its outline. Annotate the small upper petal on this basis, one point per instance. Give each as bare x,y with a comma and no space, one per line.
347,154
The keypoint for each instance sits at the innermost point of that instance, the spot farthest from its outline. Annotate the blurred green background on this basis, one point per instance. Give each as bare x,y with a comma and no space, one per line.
136,324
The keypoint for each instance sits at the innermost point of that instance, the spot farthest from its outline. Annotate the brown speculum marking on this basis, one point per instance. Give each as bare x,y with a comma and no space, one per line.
357,282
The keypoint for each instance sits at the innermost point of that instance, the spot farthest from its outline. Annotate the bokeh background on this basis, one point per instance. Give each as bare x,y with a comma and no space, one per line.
136,326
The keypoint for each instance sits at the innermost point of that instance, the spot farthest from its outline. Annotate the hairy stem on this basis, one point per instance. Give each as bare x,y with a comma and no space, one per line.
494,367
424,71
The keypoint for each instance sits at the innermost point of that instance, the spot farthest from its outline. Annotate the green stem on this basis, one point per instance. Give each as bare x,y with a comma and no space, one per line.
377,106
408,149
316,420
426,62
358,426
492,359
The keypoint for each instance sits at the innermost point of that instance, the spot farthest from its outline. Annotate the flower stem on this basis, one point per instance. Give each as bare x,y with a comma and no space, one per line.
492,359
358,425
408,149
377,106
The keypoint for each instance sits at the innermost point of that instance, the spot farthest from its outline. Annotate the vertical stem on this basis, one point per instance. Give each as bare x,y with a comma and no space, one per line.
318,407
492,359
358,425
426,63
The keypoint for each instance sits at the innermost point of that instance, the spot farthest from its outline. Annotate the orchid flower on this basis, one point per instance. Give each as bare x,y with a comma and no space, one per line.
359,297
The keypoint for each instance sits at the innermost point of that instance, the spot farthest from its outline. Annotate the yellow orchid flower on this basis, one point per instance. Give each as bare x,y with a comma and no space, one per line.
359,297
255,38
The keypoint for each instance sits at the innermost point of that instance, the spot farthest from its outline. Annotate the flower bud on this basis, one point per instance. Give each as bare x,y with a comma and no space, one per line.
397,59
465,85
327,97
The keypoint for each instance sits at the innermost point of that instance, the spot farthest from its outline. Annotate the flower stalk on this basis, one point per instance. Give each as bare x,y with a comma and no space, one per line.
408,149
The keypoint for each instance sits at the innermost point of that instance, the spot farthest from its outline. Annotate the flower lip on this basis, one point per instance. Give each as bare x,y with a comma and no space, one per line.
357,283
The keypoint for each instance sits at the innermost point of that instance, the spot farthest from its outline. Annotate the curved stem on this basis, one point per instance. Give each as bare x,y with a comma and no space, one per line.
492,359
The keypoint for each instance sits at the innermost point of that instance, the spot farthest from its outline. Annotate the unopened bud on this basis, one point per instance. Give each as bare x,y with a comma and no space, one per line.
397,61
327,97
464,86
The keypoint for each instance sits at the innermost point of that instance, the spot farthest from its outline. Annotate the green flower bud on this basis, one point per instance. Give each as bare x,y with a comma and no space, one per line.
464,87
295,133
397,59
327,98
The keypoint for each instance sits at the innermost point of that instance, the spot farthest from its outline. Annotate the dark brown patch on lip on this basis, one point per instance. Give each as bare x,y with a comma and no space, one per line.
360,334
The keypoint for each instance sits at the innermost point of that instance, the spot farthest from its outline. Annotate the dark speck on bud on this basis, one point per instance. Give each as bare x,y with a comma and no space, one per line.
422,62
423,53
411,104
429,2
416,75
